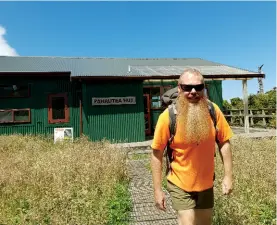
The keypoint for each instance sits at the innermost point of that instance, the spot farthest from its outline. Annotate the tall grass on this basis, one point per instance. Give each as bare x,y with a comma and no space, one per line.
64,183
253,200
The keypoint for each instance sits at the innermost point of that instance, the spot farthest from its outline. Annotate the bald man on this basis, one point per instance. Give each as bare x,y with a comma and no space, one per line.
190,181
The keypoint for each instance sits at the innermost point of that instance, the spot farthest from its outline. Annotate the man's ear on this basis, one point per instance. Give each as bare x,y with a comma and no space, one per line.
179,90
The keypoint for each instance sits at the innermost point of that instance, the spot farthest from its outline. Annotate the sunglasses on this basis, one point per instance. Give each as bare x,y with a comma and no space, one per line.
188,88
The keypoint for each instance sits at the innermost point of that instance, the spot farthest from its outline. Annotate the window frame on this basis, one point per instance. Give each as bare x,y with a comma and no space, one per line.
25,96
162,88
16,110
50,109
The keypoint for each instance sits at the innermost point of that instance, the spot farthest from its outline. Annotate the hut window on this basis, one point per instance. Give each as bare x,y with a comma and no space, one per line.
155,94
58,111
155,97
14,91
15,116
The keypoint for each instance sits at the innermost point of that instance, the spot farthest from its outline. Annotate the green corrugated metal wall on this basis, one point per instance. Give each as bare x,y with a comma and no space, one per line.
40,88
215,95
114,122
215,92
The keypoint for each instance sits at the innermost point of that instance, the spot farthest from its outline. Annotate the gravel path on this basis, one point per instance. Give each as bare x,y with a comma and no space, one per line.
141,188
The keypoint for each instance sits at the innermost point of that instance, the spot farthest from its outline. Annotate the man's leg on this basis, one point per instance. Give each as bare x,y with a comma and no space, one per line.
204,207
193,208
183,203
187,217
195,217
203,216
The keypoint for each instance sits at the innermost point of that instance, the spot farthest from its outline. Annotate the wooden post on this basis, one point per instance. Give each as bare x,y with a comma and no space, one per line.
81,116
251,119
245,103
240,119
264,121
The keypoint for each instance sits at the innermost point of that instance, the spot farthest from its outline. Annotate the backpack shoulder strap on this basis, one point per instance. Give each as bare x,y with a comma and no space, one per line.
212,112
172,129
213,115
172,121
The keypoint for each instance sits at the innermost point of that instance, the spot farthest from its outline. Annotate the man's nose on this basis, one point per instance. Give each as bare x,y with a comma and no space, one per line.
193,90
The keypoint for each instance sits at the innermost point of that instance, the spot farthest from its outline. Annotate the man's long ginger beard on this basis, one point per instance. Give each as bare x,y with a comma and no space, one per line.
193,119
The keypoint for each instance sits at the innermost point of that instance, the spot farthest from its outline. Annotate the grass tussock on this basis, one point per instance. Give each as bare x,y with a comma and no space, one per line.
253,200
64,183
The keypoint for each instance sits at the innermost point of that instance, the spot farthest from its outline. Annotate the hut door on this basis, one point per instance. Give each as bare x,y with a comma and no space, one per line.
147,116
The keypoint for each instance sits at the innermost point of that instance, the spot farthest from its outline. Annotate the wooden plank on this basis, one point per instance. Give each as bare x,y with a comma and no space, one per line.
245,104
263,116
242,78
250,116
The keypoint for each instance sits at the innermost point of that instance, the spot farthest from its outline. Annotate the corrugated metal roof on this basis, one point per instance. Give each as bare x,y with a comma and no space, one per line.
81,67
177,70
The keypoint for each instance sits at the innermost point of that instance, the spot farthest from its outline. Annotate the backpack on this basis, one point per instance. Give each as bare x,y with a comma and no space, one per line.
168,99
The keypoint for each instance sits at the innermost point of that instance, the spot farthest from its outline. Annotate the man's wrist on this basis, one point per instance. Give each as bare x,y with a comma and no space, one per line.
158,189
228,175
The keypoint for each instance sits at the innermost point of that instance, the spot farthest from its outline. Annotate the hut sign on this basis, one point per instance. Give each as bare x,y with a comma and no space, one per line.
114,101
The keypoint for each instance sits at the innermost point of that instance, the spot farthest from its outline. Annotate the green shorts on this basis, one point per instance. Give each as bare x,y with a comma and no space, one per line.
182,200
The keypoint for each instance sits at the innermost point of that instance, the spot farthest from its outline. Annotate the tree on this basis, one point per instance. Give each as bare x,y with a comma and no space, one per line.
272,98
251,101
226,105
237,103
256,101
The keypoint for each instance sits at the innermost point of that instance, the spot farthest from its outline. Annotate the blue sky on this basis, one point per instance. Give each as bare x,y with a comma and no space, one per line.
241,34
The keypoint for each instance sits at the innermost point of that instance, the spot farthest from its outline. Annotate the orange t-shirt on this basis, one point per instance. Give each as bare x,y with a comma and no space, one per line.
193,165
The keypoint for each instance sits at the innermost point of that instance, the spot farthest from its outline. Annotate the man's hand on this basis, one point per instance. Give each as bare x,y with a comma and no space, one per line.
227,185
156,166
160,200
226,156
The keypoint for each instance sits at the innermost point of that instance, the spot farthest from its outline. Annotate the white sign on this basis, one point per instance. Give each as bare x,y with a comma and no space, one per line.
65,133
130,100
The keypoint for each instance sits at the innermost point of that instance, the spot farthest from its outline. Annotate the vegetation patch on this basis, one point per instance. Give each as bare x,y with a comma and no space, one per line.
64,183
253,200
139,156
120,206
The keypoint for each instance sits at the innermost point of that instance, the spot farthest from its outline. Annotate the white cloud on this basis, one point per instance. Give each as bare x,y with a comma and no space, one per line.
5,48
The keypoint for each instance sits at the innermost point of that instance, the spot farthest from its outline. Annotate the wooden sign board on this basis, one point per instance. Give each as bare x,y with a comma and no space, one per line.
130,100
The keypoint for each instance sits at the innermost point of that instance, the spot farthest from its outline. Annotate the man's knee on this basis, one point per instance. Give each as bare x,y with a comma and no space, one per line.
187,217
195,217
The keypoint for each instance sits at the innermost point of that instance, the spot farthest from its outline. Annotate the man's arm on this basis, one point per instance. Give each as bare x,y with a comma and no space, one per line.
226,157
156,166
161,136
224,135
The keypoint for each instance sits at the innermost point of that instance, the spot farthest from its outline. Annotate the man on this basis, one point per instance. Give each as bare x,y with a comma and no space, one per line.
190,181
